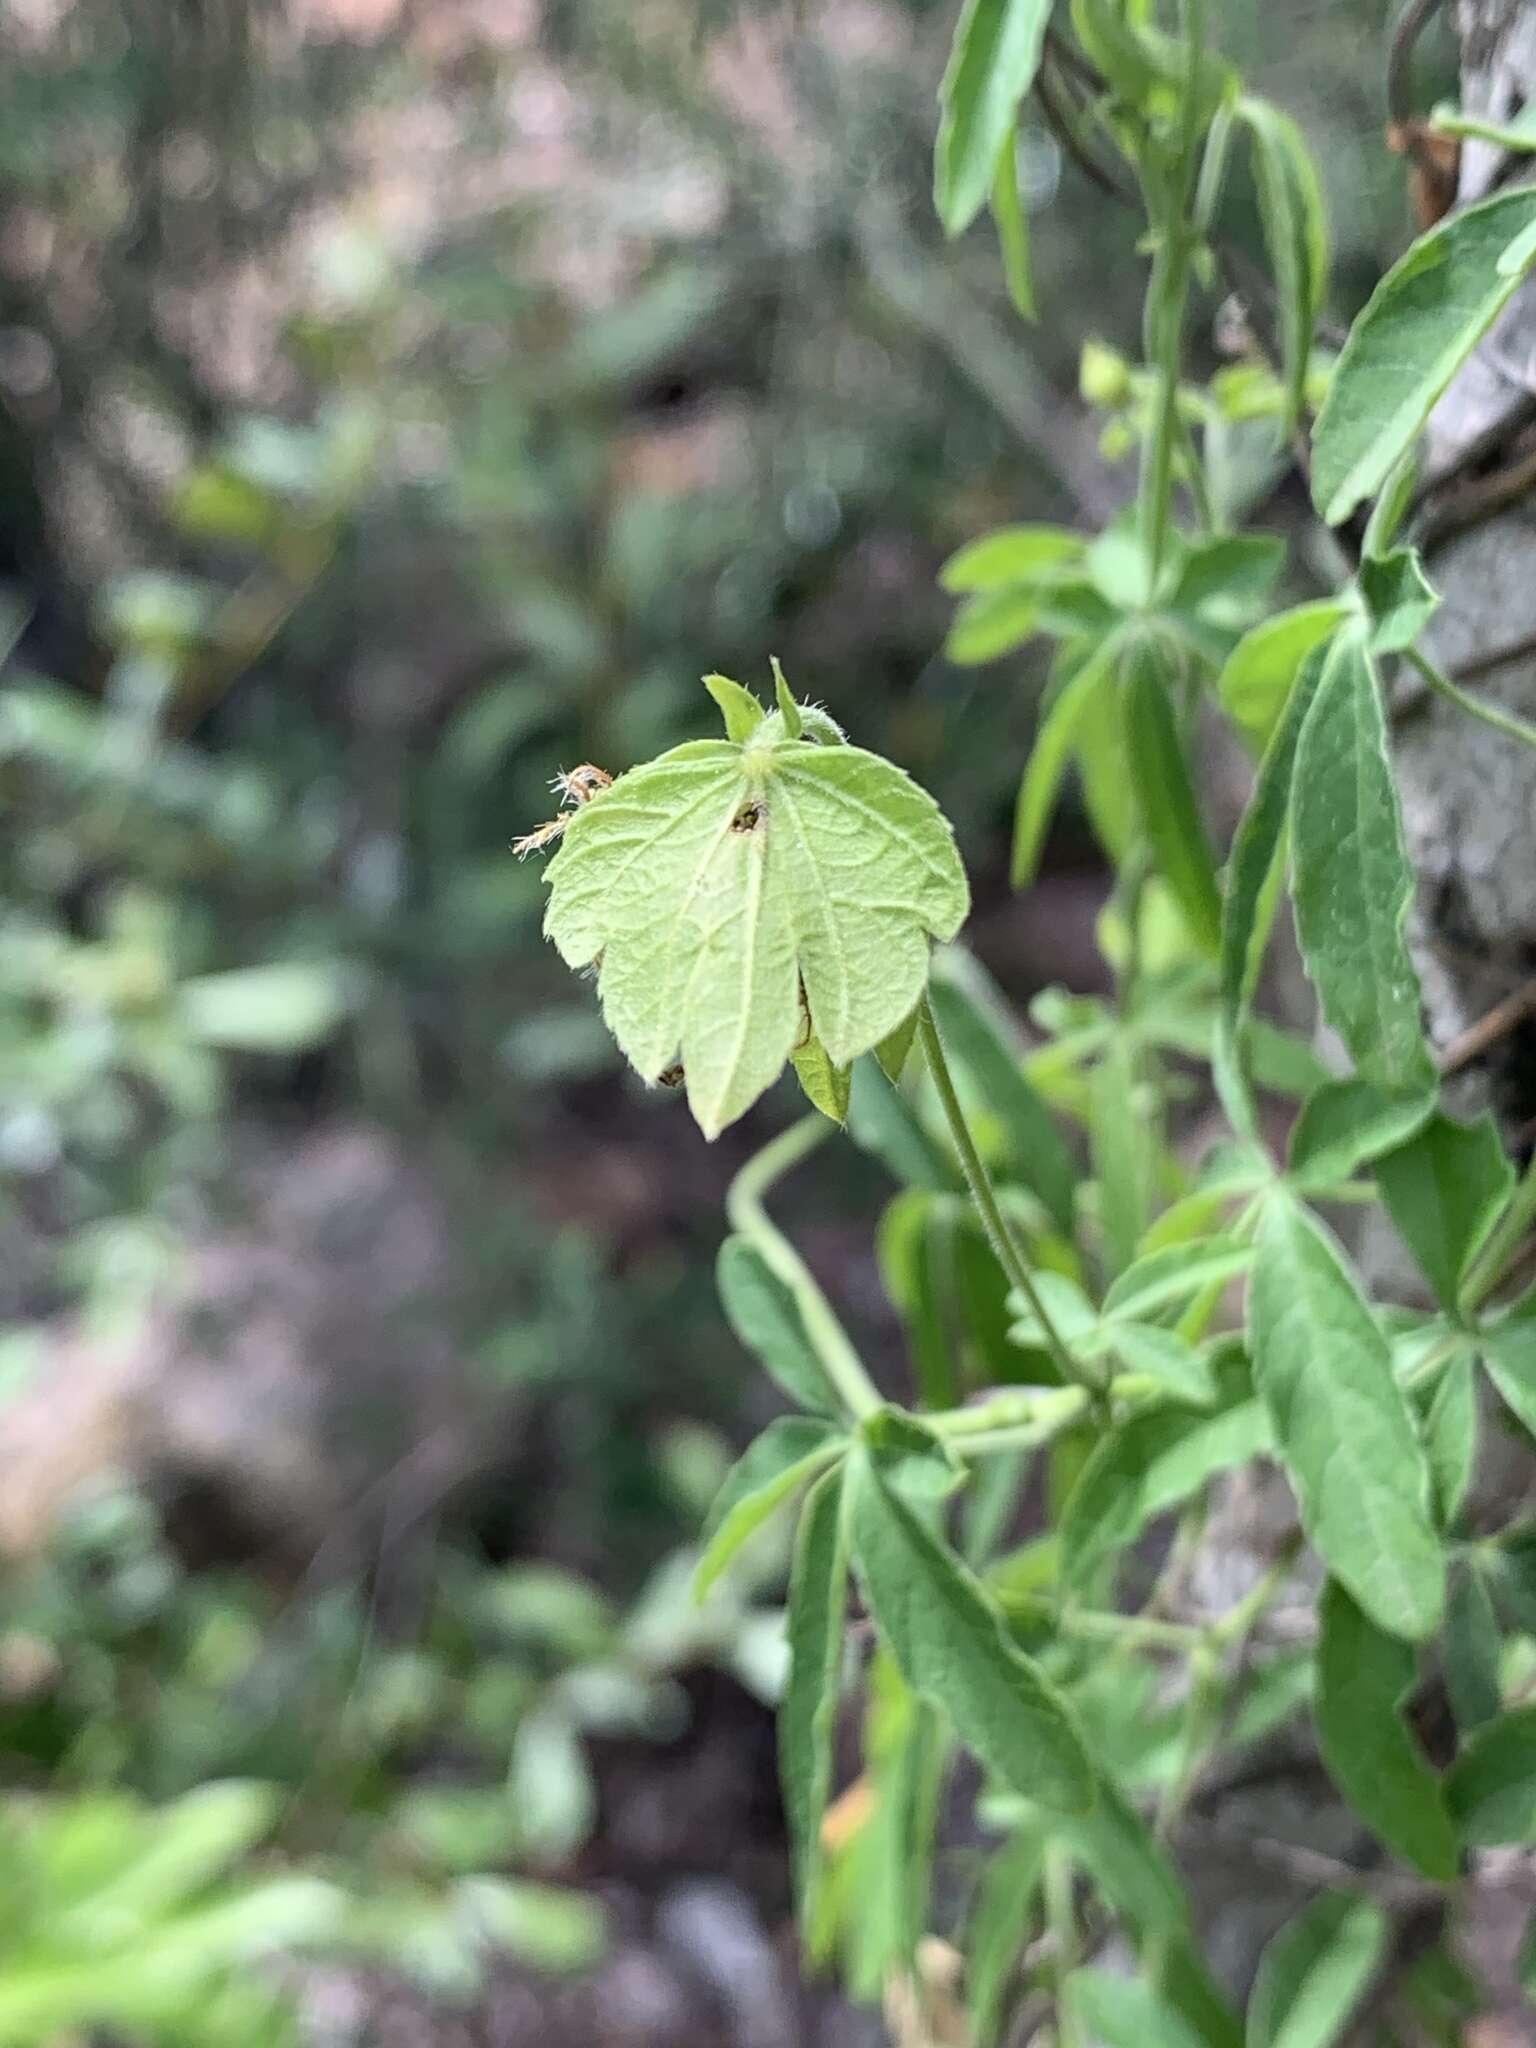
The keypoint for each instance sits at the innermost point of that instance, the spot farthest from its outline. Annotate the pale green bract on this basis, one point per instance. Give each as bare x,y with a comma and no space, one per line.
717,885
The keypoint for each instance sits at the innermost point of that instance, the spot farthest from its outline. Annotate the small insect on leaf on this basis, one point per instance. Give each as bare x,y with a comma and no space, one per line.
741,897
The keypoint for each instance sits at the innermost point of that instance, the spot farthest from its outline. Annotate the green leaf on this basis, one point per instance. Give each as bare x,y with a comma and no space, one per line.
1254,874
789,710
1473,1644
1013,229
1188,1989
545,1925
1509,1357
1345,1123
1391,508
949,1639
1450,1438
1124,1137
788,1453
1127,1863
1492,1787
766,1317
818,1589
1256,683
1422,323
827,1087
1150,1464
1048,760
1314,1973
1147,69
915,1462
1352,884
1164,1357
1233,573
1295,220
1399,600
739,708
999,1921
992,623
1037,1157
916,1251
1014,556
1173,1274
1363,1677
1122,2012
892,1871
1170,812
1104,774
279,1008
715,884
194,1839
883,1123
992,64
893,1049
1445,1189
1323,1369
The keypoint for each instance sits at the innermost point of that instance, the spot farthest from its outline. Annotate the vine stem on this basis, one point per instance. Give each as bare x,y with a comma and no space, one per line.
744,1208
1491,714
1492,1262
1006,1248
1061,1919
1170,201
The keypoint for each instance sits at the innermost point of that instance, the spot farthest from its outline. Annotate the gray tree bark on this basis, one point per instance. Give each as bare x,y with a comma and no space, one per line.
1469,794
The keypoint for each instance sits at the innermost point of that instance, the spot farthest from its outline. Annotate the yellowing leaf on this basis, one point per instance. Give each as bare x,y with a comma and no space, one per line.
717,886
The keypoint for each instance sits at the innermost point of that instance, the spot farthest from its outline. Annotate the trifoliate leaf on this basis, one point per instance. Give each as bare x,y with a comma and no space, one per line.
729,886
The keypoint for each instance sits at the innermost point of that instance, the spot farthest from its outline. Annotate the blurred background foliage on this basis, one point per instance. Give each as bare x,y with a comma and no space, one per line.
399,403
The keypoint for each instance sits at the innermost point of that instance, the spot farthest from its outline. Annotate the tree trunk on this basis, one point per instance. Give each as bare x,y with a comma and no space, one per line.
1469,793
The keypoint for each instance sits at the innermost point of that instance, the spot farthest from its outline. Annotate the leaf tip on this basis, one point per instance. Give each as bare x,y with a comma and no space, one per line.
738,707
789,710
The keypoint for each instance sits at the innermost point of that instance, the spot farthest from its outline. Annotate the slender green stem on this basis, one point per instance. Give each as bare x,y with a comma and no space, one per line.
1061,1920
1202,1718
1492,1262
1170,200
1165,318
1130,1629
1491,714
1044,1409
746,1213
1239,1618
1005,1246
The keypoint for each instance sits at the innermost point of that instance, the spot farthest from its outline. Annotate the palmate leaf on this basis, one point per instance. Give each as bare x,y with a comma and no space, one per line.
714,885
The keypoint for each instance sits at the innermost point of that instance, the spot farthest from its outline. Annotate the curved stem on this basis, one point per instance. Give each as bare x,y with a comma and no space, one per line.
1492,1262
1005,1246
1491,714
746,1214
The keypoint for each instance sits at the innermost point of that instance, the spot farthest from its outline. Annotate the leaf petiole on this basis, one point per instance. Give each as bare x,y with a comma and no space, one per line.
744,1207
1502,721
1005,1246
